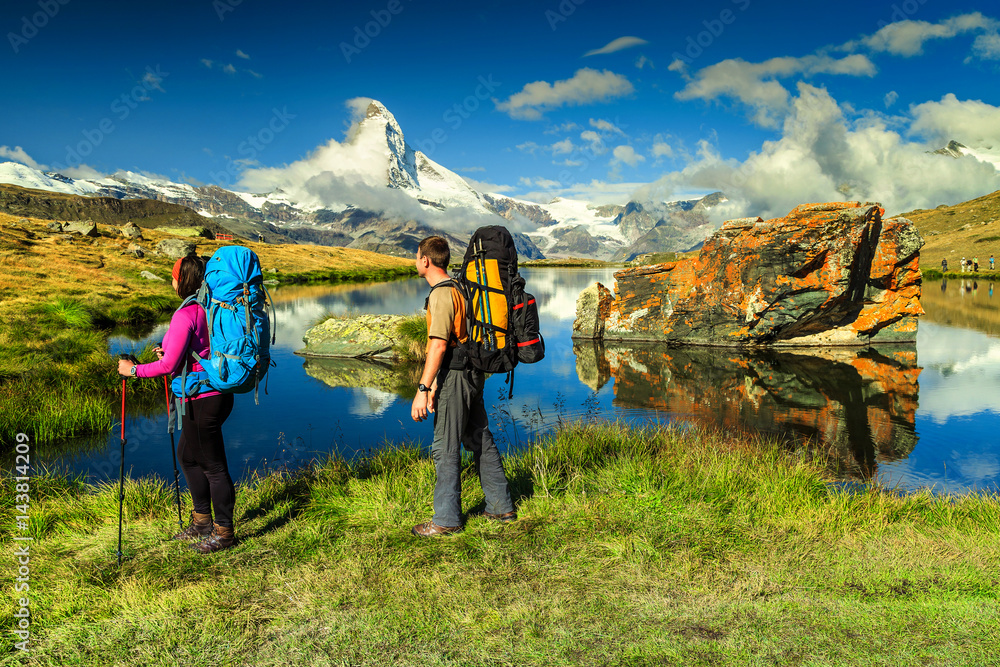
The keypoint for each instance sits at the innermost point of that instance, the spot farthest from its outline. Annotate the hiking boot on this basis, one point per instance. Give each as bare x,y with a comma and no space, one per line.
430,529
220,538
506,517
201,525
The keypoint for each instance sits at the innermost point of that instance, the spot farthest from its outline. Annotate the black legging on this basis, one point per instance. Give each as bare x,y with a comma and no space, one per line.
203,457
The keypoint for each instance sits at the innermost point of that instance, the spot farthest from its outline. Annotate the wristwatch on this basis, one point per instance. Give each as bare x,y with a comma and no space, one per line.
423,387
132,371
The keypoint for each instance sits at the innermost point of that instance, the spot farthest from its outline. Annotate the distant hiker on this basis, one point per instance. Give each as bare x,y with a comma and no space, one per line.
260,238
944,265
975,264
453,391
963,265
991,262
201,449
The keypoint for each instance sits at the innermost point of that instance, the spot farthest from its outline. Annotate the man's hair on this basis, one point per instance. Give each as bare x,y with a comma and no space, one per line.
436,249
191,274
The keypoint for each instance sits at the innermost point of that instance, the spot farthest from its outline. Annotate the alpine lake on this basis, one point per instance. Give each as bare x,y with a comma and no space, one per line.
908,417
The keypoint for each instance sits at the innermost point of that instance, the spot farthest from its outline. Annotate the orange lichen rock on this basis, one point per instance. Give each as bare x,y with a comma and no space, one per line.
825,274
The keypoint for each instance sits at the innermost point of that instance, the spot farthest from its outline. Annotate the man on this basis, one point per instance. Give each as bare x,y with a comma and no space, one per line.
944,265
453,391
991,262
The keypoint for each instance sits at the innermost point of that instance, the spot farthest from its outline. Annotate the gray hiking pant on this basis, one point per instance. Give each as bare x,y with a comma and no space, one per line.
461,418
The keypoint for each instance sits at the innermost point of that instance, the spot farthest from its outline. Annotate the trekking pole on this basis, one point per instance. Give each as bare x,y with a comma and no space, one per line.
121,468
485,296
173,451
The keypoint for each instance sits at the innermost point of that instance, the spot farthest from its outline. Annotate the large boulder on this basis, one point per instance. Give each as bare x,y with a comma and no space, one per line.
825,274
131,231
372,336
175,248
86,228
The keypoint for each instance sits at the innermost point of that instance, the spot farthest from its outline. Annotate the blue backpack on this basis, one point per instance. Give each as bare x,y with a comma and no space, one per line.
235,302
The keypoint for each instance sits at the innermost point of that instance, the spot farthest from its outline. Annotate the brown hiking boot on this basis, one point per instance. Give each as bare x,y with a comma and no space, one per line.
201,525
220,538
429,529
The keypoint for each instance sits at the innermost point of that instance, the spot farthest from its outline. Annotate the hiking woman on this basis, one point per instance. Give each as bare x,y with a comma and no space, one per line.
200,449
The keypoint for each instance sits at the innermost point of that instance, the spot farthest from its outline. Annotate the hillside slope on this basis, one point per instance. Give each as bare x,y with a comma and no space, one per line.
970,229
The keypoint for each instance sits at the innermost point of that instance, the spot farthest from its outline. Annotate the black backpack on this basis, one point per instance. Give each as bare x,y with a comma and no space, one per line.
501,318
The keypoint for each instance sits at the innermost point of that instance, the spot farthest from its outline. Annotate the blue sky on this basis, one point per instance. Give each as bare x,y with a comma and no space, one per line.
578,97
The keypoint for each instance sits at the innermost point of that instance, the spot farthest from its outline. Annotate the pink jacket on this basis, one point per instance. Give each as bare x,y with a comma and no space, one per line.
188,330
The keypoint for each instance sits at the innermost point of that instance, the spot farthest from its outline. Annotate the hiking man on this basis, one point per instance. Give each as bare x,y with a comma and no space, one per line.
944,265
452,391
991,262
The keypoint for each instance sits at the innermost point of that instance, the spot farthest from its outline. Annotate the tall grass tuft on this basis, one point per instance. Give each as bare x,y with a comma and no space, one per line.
412,332
68,312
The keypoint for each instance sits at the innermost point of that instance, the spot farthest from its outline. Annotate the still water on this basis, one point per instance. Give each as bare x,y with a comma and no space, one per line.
913,416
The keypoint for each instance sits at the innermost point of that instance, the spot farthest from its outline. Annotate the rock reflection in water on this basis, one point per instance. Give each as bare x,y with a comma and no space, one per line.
379,383
858,403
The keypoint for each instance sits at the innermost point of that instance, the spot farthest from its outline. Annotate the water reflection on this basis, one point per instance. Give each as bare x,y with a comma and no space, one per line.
859,404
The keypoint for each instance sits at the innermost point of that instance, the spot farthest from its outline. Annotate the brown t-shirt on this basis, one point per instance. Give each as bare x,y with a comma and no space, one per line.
446,316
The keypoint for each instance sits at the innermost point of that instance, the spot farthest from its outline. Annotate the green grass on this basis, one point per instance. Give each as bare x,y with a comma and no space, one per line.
346,275
634,547
57,379
413,338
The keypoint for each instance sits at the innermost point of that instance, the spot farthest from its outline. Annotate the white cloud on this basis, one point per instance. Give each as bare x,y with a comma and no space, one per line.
594,191
571,163
152,81
18,154
890,98
642,61
255,74
606,126
662,149
229,69
824,156
485,186
206,62
563,147
239,52
470,169
906,38
626,155
757,86
584,87
529,147
82,171
971,122
559,129
616,45
987,47
594,142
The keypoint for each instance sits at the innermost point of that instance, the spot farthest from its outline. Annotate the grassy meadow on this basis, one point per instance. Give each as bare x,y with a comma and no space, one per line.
655,546
61,296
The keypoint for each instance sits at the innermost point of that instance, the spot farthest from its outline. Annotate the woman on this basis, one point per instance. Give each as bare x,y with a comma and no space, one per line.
200,449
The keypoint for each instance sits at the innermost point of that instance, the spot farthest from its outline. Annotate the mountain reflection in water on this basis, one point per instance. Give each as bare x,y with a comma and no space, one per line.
858,404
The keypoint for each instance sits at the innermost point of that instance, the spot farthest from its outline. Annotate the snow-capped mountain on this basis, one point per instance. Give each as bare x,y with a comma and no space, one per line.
371,191
988,154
